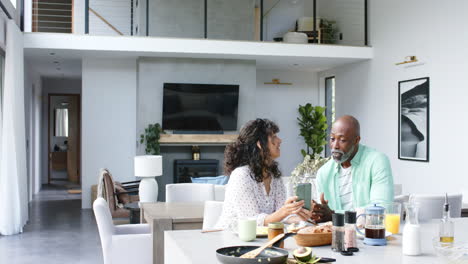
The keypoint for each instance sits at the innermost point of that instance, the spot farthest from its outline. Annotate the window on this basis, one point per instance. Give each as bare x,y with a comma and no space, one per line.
330,105
13,2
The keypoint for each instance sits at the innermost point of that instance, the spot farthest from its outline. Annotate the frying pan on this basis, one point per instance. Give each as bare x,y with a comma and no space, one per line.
272,255
230,255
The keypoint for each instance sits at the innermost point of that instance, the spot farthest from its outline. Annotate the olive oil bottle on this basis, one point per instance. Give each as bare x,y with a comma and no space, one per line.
446,226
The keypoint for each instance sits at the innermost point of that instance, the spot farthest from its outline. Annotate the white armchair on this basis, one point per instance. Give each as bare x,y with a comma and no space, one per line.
219,192
124,243
211,214
189,192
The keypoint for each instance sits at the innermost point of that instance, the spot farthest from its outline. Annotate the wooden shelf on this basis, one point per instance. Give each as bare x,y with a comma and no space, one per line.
197,139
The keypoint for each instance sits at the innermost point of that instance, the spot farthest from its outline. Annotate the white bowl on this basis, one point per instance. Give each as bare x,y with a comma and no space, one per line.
451,252
295,37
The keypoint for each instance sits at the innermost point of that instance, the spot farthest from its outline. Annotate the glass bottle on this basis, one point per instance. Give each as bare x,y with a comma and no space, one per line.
411,240
350,230
338,231
446,226
275,229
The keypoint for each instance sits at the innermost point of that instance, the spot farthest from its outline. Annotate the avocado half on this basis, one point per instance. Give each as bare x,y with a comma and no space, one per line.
303,254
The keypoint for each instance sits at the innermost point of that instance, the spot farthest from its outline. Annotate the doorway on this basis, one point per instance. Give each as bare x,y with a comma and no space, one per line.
64,141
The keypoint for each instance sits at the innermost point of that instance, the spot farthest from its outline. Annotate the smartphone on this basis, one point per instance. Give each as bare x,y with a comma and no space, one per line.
304,192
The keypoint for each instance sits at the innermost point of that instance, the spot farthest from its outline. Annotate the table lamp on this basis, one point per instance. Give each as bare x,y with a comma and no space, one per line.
147,167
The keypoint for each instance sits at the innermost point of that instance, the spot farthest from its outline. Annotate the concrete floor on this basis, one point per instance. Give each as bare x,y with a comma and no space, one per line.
58,231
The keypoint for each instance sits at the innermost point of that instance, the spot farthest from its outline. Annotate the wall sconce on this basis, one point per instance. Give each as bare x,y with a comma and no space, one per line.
408,59
277,81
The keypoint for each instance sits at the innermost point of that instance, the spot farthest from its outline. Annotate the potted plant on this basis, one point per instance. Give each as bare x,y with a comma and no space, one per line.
151,137
313,128
329,31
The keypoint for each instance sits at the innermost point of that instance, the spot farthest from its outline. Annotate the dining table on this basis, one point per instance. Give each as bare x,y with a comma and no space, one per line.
162,216
192,246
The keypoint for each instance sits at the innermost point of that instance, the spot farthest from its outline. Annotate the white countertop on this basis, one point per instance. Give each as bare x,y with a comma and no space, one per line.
191,246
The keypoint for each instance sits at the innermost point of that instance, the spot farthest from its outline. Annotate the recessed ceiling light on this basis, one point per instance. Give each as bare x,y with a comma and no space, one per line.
58,69
56,62
52,53
295,64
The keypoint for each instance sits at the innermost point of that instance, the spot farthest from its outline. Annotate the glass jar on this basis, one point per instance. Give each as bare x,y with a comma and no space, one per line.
338,232
350,230
275,229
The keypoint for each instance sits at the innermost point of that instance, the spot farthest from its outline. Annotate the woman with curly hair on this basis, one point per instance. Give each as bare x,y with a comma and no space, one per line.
255,188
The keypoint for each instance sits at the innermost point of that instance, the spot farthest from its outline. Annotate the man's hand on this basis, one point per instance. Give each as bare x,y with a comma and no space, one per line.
321,212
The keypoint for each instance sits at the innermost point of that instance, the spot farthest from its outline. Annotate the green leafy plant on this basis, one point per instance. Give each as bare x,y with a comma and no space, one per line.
151,137
329,31
313,128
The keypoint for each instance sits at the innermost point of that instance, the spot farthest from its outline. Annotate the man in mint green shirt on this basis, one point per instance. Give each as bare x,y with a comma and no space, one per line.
356,177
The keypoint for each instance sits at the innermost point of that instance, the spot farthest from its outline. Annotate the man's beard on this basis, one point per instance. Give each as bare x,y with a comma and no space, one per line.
340,157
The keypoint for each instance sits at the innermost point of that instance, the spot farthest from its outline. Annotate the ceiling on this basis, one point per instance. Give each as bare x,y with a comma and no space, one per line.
60,55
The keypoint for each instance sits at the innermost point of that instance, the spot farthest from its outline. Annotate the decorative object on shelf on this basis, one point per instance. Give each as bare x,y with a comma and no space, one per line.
408,59
148,167
313,127
328,31
151,137
306,172
295,37
278,82
195,153
413,119
307,23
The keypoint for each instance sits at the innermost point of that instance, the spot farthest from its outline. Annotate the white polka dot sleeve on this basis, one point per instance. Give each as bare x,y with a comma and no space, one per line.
247,198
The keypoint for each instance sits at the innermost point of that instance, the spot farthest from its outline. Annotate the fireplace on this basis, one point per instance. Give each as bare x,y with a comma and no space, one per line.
184,169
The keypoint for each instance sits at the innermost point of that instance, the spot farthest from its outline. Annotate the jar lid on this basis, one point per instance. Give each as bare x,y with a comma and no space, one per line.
350,217
375,209
338,219
276,225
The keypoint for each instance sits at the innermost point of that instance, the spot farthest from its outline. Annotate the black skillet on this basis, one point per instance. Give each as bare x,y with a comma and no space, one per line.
272,255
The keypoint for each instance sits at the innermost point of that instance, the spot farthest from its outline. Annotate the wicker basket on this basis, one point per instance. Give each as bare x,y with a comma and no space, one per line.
312,240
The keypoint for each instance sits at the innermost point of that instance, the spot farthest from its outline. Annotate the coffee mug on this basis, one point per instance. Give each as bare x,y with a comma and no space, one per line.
247,229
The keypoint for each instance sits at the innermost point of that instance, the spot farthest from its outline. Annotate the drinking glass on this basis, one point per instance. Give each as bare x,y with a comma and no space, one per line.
393,217
247,228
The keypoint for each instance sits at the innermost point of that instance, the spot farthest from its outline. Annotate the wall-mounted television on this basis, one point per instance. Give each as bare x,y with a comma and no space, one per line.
200,107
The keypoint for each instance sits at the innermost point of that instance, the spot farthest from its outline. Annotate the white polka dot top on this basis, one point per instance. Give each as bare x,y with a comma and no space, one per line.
246,198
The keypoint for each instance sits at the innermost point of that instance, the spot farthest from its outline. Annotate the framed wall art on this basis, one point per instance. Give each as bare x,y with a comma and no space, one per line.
413,119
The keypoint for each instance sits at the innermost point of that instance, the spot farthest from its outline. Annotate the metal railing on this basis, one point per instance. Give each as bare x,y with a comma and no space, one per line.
52,16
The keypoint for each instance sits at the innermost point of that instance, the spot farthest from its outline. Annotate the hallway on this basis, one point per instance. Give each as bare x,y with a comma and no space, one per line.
58,231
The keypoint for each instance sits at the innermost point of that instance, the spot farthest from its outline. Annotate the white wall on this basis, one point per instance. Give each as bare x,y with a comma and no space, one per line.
279,19
79,17
433,31
116,12
52,86
108,120
153,73
280,103
32,98
233,20
27,15
176,18
349,16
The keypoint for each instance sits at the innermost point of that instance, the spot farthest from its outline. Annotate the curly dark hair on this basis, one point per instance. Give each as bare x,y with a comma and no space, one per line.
244,151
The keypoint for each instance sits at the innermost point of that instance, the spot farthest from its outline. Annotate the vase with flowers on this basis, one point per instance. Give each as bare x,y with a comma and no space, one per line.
313,128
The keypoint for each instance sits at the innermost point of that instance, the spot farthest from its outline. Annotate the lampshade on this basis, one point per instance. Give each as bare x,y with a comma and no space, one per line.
148,166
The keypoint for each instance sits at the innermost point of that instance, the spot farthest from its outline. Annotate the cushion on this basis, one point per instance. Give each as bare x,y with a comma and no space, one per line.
218,180
122,196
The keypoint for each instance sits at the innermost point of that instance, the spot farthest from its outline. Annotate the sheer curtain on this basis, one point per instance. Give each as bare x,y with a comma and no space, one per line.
13,171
